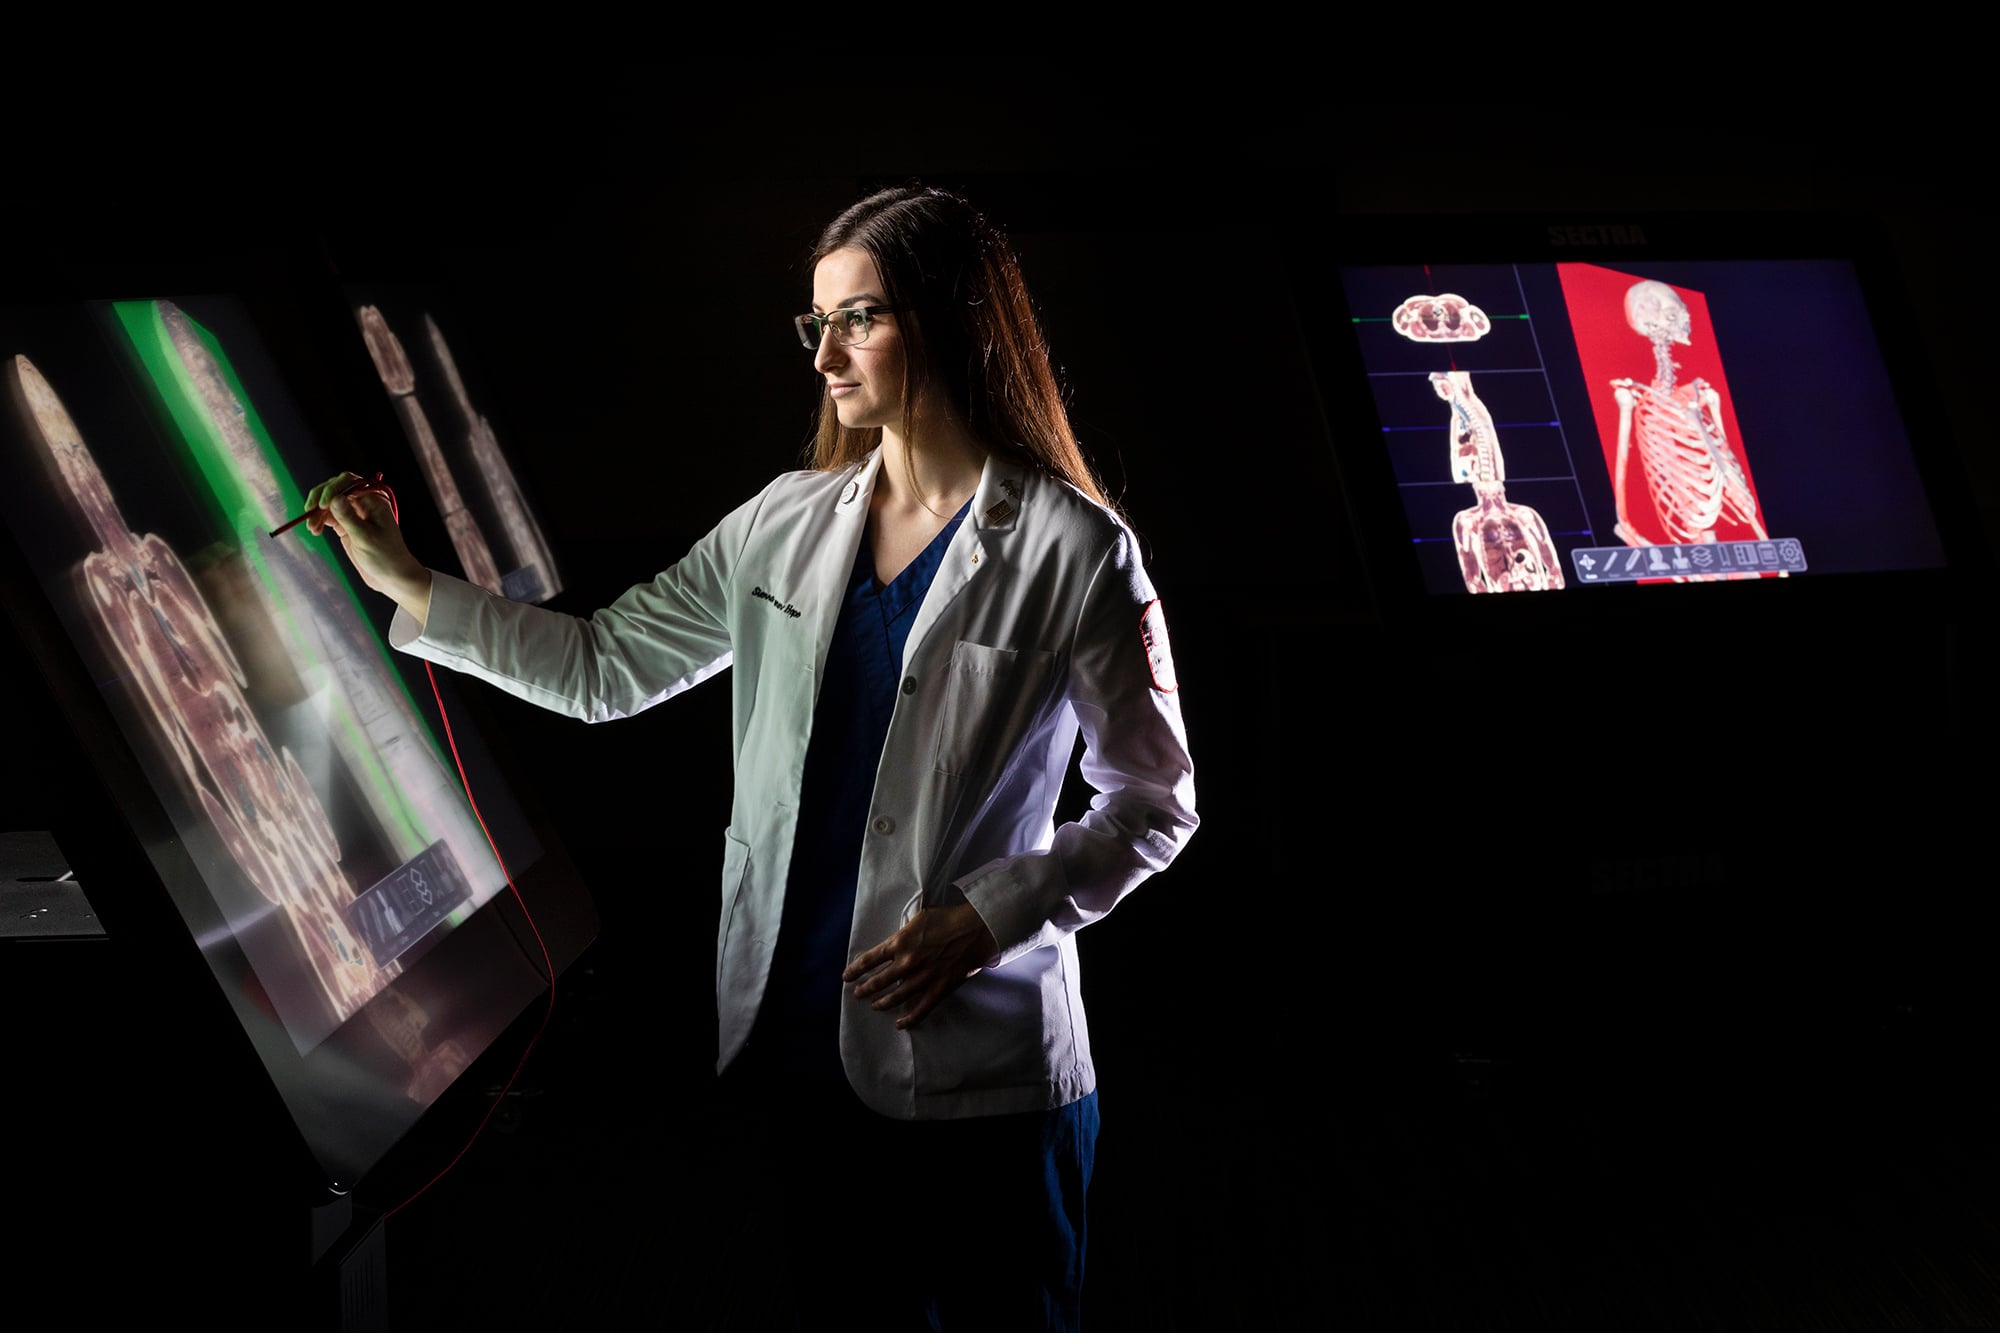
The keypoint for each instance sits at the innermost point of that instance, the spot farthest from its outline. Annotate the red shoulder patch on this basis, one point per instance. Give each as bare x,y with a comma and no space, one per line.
1159,656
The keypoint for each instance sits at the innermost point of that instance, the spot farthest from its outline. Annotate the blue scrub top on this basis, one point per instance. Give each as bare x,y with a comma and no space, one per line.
797,1034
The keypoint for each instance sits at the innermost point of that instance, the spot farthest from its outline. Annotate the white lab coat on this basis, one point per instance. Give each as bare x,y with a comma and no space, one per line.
1040,620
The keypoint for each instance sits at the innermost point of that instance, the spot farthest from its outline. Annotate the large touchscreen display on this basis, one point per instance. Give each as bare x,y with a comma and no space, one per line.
151,448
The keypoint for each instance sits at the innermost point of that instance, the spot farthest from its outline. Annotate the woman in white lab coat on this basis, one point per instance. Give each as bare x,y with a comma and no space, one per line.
919,626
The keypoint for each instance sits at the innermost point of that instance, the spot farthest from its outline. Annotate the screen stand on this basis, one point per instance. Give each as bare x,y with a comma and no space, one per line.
87,1133
350,1271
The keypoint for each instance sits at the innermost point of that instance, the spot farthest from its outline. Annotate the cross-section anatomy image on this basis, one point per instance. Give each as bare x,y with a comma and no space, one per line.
1502,546
1678,473
1449,318
530,569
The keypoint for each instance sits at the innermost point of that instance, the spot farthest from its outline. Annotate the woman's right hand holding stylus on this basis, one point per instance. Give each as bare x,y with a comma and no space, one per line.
365,522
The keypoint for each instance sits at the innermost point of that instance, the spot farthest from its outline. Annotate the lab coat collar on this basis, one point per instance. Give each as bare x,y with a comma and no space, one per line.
975,547
995,505
997,502
854,495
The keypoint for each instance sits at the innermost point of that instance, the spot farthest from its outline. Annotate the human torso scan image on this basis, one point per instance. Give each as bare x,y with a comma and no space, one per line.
1502,546
178,660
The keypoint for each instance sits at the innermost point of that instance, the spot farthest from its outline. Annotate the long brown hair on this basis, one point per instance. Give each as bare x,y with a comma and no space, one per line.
974,336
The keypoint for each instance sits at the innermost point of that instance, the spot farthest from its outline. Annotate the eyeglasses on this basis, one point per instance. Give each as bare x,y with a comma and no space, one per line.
850,325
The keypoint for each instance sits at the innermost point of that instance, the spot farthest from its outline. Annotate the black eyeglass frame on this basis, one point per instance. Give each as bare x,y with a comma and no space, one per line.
812,328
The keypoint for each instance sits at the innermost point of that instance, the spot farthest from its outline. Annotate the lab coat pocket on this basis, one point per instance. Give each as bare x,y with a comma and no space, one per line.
735,868
991,698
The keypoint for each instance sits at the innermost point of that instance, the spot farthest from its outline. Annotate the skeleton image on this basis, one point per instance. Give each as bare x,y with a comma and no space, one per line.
1502,547
475,555
1691,472
533,578
1440,319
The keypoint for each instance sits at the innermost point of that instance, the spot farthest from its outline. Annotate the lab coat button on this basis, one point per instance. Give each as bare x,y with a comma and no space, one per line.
909,684
884,824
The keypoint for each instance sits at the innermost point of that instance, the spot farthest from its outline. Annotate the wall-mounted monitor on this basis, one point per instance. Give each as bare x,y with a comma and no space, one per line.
1672,577
1660,415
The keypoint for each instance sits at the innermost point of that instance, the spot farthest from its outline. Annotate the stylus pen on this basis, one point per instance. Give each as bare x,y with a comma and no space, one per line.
348,489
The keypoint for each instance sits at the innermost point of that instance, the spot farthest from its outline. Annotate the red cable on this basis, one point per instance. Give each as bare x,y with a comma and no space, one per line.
376,487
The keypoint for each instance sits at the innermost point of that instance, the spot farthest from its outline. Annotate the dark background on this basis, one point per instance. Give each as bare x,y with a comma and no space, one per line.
1403,1038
